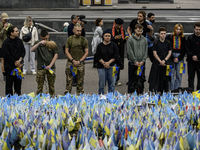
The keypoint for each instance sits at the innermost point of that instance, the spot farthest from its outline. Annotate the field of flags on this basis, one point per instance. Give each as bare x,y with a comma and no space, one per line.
100,122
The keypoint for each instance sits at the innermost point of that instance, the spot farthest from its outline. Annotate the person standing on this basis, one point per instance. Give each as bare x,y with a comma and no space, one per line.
141,19
193,56
27,28
107,54
46,58
178,41
118,34
14,53
150,35
137,49
97,38
76,50
74,20
158,81
66,24
4,25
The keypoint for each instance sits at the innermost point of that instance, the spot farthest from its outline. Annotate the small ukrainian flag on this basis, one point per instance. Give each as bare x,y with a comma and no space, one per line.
18,72
139,70
182,68
169,70
115,71
50,70
73,70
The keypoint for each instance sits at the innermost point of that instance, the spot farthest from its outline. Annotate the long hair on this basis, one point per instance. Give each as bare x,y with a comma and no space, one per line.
26,21
97,21
175,27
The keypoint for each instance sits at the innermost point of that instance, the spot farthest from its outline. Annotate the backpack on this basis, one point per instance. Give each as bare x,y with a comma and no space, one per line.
70,43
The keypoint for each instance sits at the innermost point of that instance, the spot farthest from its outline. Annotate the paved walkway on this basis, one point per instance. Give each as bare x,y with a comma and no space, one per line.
91,79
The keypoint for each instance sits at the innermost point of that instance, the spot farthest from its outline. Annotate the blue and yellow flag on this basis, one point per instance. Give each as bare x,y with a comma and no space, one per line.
18,72
169,70
115,71
182,68
73,70
139,70
50,70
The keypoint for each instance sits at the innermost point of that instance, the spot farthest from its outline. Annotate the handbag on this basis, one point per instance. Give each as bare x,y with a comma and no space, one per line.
28,36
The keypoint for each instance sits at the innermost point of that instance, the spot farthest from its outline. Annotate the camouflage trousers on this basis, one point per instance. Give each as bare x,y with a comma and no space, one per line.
79,78
40,78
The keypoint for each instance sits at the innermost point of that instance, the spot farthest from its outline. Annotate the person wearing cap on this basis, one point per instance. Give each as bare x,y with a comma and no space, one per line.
118,34
4,25
107,54
66,24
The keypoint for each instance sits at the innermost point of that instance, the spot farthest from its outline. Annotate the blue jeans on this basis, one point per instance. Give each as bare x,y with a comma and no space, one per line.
106,75
176,76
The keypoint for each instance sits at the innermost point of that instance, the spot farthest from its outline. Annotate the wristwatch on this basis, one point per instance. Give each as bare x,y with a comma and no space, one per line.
72,60
80,61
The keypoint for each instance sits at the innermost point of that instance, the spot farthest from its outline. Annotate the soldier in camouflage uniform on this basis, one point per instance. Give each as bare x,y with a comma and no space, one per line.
76,50
4,25
46,58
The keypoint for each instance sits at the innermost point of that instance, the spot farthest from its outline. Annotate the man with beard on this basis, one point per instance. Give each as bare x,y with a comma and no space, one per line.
150,35
141,19
137,54
76,50
118,34
193,56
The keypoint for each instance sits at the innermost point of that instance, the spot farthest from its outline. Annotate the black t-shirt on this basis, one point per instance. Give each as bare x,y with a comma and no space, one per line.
107,52
144,24
162,47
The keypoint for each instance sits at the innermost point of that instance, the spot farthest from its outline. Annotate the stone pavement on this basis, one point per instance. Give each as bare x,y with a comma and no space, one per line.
91,79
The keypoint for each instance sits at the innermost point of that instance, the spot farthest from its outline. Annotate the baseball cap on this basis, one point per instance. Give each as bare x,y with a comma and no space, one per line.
4,16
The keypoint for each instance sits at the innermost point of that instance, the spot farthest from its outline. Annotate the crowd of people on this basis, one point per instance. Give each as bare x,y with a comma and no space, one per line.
166,53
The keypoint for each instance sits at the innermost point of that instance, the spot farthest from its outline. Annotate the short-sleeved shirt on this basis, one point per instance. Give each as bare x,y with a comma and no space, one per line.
162,47
76,46
45,56
144,24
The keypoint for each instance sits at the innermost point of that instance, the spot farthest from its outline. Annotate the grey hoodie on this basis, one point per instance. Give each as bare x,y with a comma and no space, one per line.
137,49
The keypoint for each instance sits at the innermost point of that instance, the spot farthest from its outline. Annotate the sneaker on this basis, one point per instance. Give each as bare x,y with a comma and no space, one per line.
118,83
33,73
24,73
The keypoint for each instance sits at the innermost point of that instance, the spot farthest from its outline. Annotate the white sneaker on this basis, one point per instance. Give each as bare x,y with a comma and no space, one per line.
24,73
118,83
33,73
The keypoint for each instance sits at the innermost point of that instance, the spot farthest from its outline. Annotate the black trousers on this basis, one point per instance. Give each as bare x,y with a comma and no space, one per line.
10,80
150,54
192,68
132,76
